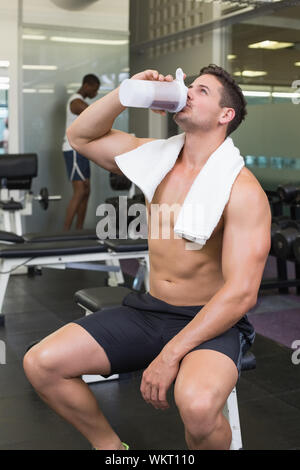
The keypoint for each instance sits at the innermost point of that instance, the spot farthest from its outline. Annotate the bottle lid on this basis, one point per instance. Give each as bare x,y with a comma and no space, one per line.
184,90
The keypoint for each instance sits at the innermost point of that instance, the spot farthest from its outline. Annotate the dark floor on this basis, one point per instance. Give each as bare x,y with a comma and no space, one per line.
269,397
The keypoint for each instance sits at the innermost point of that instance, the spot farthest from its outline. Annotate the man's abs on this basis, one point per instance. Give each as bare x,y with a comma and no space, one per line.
180,276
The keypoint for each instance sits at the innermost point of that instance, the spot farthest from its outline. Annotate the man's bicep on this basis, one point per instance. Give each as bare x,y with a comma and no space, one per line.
246,240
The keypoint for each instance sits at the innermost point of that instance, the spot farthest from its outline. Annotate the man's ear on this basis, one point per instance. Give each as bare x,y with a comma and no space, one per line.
227,115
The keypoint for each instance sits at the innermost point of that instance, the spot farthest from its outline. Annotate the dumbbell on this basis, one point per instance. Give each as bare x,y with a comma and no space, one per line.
119,182
289,192
284,238
43,198
296,248
278,223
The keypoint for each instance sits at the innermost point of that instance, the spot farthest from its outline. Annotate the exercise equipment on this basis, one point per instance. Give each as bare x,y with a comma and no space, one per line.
276,203
119,182
75,255
16,197
289,194
100,298
284,238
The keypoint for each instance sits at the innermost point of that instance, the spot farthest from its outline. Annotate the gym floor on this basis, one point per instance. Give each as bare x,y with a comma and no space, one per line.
269,398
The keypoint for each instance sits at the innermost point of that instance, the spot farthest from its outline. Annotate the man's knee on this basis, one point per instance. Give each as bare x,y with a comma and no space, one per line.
198,411
40,365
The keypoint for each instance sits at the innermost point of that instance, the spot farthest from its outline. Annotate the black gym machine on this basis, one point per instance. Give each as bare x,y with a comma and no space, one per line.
16,196
285,237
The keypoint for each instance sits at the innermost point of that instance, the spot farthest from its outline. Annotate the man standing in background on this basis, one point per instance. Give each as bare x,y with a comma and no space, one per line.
78,166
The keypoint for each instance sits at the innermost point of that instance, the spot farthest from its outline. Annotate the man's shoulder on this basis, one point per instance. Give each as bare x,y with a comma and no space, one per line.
247,193
247,184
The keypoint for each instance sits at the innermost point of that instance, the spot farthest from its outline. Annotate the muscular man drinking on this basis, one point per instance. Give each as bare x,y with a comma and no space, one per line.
191,327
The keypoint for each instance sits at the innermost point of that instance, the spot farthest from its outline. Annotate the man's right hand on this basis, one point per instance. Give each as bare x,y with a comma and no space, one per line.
152,75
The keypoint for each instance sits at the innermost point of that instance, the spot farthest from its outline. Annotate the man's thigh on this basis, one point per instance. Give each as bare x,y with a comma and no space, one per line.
71,351
130,338
206,375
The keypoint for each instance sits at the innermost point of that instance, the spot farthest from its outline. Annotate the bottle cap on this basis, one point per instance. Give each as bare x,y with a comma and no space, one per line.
184,90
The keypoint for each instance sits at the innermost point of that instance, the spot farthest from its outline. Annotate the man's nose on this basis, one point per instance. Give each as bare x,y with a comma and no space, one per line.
190,94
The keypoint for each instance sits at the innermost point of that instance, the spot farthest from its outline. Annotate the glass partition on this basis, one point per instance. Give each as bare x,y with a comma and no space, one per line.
4,87
264,58
54,63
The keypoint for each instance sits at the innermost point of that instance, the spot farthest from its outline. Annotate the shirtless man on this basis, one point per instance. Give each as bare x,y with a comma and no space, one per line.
191,328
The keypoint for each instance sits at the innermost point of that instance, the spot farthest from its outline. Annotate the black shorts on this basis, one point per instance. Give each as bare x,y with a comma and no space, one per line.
134,333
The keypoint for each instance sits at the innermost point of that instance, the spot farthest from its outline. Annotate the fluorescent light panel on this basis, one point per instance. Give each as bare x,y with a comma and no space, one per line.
34,37
257,94
104,42
39,67
4,63
268,94
251,73
271,45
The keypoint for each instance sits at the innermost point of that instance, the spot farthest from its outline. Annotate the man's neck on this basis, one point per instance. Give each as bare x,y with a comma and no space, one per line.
198,148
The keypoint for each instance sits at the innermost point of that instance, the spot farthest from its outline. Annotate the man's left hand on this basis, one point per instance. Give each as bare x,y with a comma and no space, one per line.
156,381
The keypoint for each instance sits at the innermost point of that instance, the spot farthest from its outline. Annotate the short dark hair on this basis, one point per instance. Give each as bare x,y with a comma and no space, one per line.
91,79
231,96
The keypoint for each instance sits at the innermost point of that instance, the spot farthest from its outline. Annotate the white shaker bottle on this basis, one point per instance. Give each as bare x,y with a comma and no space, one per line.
168,96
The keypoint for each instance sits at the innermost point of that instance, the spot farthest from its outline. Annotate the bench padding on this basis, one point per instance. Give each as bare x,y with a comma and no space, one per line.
97,298
33,250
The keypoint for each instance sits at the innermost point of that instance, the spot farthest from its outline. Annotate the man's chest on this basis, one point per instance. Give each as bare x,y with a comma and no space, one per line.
169,197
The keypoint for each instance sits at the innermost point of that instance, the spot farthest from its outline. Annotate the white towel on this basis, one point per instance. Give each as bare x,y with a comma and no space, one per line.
203,206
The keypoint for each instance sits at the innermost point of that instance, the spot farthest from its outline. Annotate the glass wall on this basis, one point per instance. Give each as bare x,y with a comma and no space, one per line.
264,57
4,85
54,63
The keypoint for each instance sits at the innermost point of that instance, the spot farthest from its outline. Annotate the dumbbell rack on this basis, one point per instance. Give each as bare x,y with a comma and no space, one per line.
285,195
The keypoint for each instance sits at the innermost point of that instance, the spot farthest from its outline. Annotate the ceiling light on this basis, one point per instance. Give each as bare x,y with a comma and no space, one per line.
272,45
34,37
4,86
104,42
46,90
39,67
257,94
251,73
4,79
285,95
231,56
297,64
4,63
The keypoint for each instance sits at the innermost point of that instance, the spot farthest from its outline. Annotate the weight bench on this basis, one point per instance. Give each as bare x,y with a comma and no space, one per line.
76,254
94,299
